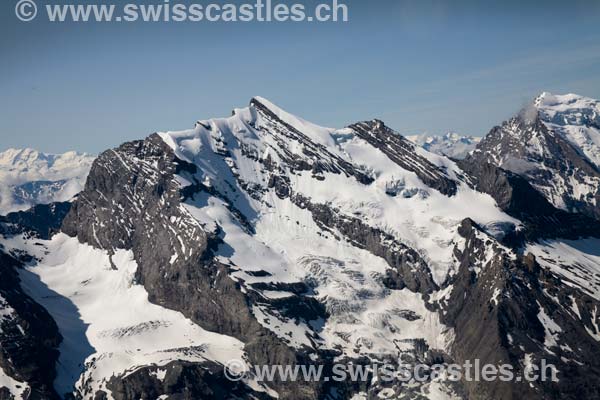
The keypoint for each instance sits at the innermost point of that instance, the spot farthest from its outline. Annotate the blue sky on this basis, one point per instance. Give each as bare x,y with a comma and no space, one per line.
420,65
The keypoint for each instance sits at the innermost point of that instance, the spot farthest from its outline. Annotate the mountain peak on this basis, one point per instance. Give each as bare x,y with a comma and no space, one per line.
558,109
259,102
549,102
319,134
12,155
540,98
555,142
265,102
576,118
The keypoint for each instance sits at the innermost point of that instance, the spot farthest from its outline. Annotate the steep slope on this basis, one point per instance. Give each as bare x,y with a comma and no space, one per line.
29,339
518,308
515,195
576,118
553,143
29,177
451,144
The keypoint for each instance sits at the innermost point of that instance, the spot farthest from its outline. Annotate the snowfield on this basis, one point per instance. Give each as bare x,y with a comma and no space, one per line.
106,320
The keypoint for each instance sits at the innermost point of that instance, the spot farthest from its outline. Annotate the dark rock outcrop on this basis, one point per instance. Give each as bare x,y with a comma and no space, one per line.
515,195
401,151
321,159
29,337
180,380
496,306
549,162
40,221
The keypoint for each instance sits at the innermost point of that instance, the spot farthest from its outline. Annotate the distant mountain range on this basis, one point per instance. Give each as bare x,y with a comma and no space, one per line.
29,177
451,144
264,238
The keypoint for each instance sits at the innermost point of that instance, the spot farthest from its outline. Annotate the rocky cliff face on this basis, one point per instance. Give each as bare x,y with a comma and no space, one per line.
29,339
518,197
267,239
402,152
560,165
512,310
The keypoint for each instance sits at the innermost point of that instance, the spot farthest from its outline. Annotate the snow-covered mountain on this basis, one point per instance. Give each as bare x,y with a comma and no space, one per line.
555,143
264,238
29,177
577,118
451,144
